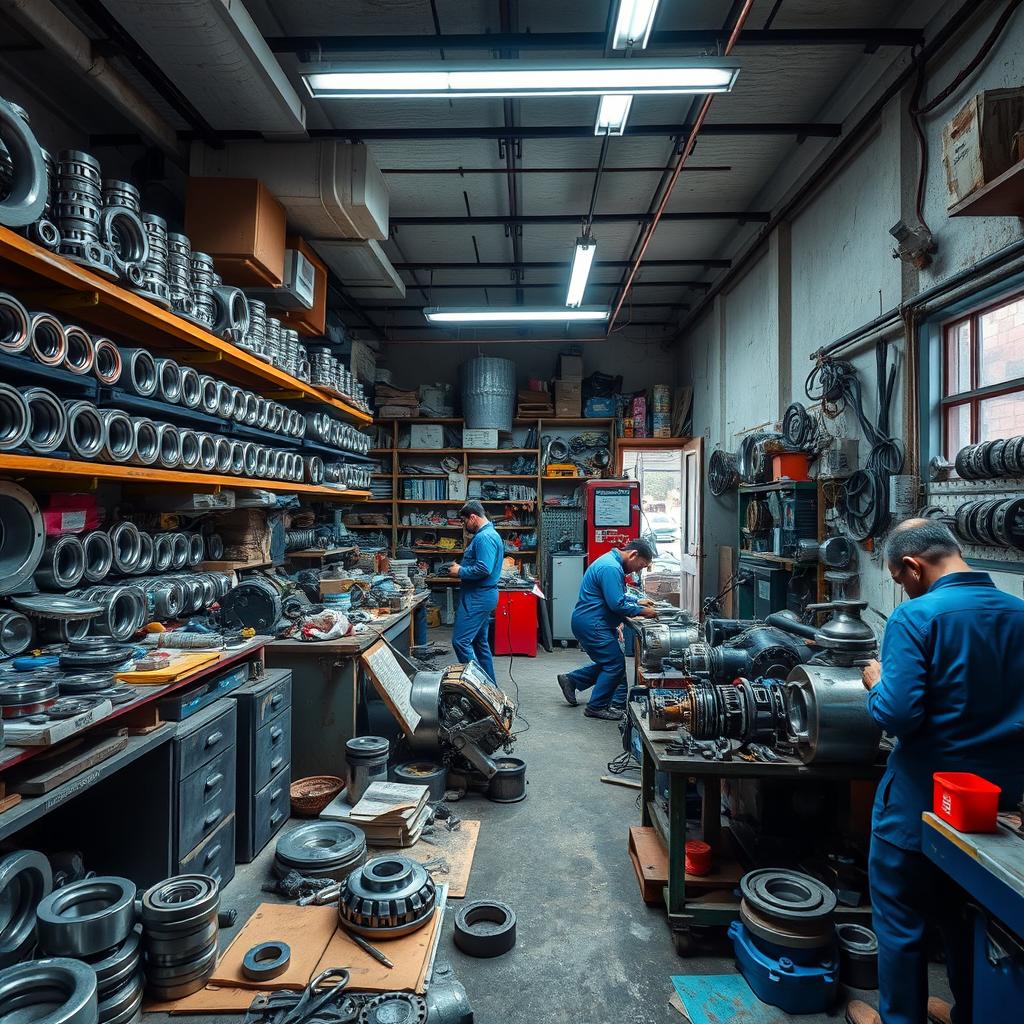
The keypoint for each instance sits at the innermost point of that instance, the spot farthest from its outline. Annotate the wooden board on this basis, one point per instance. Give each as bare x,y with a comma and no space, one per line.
22,733
178,666
393,685
55,767
650,862
458,848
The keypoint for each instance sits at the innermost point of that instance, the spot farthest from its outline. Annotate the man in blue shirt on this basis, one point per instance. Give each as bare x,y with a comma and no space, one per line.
478,591
602,605
950,689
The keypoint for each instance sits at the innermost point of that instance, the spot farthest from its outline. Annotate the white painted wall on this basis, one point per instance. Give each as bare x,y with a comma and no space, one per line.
838,272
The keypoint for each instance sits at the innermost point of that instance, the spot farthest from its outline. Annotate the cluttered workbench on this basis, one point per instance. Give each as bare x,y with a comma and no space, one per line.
331,698
716,903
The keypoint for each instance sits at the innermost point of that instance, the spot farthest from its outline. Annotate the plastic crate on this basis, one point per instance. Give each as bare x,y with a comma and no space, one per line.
968,802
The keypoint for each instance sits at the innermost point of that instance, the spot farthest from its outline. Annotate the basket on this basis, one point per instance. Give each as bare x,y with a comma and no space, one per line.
968,802
312,794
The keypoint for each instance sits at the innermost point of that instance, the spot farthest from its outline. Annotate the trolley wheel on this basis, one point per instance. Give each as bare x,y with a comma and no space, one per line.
564,643
685,942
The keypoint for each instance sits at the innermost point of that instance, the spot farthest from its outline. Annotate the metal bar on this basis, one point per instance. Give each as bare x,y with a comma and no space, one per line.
760,216
444,339
505,327
544,170
559,265
702,285
576,41
384,307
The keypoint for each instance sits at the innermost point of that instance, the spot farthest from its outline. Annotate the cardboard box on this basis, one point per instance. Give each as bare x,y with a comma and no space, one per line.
661,424
638,413
659,398
242,225
978,143
426,435
309,321
568,399
363,361
478,437
570,368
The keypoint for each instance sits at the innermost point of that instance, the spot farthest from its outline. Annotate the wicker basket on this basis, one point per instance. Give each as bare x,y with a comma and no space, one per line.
311,795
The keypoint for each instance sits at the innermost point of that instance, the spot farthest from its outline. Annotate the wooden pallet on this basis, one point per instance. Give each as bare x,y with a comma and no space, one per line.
529,412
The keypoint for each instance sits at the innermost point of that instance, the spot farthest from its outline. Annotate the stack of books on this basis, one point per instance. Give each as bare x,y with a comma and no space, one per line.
389,813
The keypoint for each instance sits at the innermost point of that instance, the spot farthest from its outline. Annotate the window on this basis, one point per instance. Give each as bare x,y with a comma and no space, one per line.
983,376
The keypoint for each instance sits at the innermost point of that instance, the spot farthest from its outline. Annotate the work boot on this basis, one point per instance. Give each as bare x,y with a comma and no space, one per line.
608,714
939,1011
568,690
858,1012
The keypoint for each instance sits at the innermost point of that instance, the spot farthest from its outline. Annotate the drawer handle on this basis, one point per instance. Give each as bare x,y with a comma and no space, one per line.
275,818
276,732
213,817
213,739
275,794
275,764
215,780
276,699
211,855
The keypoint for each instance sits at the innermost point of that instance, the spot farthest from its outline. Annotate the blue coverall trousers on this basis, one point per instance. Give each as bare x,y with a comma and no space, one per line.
907,892
607,671
469,634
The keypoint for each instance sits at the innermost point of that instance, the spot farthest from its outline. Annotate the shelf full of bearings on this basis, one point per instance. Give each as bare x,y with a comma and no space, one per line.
984,503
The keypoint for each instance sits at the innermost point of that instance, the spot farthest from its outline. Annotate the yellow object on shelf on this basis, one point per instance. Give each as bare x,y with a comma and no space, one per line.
177,666
561,469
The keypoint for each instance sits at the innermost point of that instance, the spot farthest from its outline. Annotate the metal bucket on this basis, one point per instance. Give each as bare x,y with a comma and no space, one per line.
488,393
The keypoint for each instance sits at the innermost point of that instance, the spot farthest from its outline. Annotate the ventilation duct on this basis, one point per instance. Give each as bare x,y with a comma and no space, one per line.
361,267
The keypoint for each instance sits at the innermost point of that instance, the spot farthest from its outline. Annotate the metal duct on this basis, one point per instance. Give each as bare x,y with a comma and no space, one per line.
488,392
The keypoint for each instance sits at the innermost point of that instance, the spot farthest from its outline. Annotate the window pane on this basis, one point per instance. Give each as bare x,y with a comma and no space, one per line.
1001,417
958,358
1001,343
958,429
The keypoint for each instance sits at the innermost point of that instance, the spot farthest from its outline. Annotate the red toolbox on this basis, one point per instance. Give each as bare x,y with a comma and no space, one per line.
515,623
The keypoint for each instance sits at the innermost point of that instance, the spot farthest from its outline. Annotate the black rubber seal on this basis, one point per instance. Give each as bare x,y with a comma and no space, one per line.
267,961
485,928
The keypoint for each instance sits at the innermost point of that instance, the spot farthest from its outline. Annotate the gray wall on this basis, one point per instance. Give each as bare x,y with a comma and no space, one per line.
829,271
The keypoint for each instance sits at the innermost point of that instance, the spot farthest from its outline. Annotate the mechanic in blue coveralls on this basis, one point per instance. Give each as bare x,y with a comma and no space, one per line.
478,576
602,606
950,688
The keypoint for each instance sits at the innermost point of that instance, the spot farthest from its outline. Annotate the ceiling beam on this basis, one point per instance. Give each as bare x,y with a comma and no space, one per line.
699,285
560,265
743,216
385,308
321,47
543,170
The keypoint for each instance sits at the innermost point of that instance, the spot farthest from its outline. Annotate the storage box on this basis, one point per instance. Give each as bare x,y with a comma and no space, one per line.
568,399
363,361
599,407
967,801
978,143
313,321
241,224
661,424
570,368
426,435
659,399
638,414
479,437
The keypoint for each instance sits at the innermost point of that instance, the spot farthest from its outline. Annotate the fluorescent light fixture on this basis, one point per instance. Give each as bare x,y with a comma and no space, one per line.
612,113
582,260
514,314
669,76
634,23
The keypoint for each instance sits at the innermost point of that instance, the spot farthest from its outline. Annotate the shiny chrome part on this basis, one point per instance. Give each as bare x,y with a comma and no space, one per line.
223,455
168,381
80,351
162,552
251,408
262,461
126,545
86,433
16,635
145,562
48,422
107,363
237,404
209,394
141,377
14,324
191,388
63,563
190,453
249,458
47,342
15,418
99,555
207,452
225,400
195,549
119,431
22,538
147,441
237,458
179,551
170,445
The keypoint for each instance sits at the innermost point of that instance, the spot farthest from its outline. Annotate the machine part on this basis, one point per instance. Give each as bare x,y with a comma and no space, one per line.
717,631
119,436
858,956
214,545
508,784
179,551
762,651
86,435
207,453
84,918
222,454
22,538
48,421
366,759
169,441
126,546
25,878
22,697
267,961
122,232
248,458
16,633
178,899
15,418
25,193
314,469
447,1002
237,458
423,773
54,990
321,849
780,981
191,388
88,682
98,555
195,549
779,894
106,363
145,562
747,710
14,325
665,640
722,473
485,928
190,450
63,563
394,1008
386,898
209,390
231,313
845,638
54,606
168,381
80,352
147,441
47,343
116,966
121,1005
255,603
797,426
96,652
141,377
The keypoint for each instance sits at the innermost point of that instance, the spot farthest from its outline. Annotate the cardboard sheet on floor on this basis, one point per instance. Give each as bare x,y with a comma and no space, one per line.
458,848
724,999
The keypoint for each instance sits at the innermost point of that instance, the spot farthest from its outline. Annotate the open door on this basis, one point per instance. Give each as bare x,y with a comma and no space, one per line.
670,472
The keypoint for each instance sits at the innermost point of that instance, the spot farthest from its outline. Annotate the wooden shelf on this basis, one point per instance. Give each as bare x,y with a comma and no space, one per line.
381,528
34,465
1001,197
427,451
582,421
93,301
767,556
226,565
502,476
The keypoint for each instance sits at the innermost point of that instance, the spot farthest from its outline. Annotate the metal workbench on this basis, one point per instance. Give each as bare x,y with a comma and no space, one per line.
722,906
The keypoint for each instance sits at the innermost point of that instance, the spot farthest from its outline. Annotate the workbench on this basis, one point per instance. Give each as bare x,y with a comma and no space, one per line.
722,906
332,697
990,868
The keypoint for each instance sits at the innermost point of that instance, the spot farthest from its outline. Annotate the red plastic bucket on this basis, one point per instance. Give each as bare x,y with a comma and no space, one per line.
698,858
968,802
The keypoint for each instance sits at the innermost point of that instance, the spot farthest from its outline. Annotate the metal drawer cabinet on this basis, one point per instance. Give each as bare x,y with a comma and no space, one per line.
215,856
204,735
264,761
205,798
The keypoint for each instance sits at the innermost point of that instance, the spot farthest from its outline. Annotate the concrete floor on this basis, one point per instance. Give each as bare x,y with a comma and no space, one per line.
588,949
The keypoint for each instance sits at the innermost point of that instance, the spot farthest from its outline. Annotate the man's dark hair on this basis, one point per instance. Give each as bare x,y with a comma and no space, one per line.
925,538
473,508
642,548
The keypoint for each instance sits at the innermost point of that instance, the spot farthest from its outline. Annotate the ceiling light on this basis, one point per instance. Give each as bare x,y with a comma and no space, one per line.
514,314
672,76
582,260
634,23
612,113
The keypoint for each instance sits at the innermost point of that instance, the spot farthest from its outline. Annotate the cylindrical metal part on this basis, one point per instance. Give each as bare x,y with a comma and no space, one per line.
191,388
141,376
15,418
147,441
80,351
190,450
488,392
99,555
107,363
63,563
119,439
47,343
170,445
168,381
86,434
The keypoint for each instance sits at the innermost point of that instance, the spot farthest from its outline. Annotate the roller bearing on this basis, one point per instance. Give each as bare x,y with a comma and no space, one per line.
485,928
87,917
